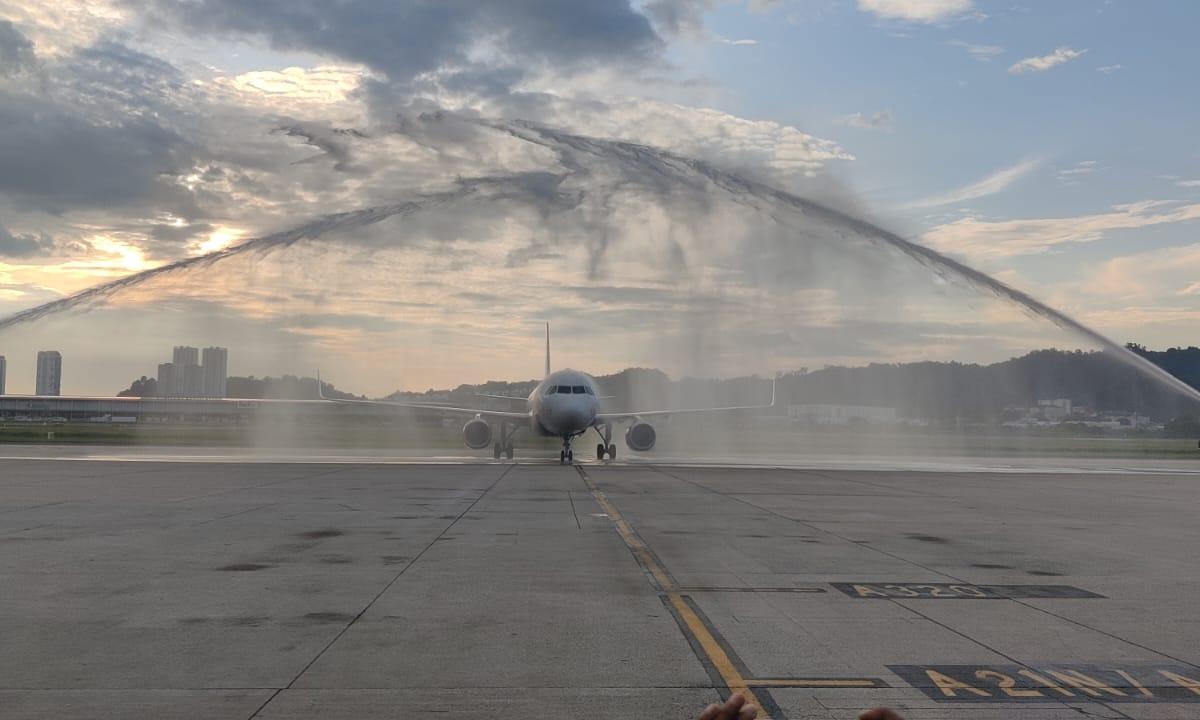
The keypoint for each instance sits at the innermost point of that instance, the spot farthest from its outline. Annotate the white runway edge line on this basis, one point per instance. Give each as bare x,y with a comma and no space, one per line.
1047,466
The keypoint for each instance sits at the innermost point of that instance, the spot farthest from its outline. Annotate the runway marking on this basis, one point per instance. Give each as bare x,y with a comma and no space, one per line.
720,660
818,682
958,591
801,590
1141,683
712,653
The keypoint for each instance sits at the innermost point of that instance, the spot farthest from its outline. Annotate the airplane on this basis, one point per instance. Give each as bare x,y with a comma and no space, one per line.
565,404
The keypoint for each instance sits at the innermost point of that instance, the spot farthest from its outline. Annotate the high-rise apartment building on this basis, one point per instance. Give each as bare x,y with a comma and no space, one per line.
3,373
191,380
49,373
215,361
166,380
185,355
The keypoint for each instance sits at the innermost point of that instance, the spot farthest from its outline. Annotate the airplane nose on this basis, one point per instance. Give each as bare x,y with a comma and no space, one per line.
571,418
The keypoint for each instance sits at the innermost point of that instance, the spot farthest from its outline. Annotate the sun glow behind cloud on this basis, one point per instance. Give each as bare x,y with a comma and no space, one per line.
218,239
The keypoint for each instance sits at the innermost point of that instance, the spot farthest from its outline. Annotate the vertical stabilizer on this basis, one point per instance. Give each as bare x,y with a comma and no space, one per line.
547,348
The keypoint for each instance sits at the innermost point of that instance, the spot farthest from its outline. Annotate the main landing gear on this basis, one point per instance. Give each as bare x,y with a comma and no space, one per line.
504,444
606,447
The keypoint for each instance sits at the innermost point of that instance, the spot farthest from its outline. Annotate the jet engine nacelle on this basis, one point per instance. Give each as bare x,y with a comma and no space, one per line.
477,434
640,436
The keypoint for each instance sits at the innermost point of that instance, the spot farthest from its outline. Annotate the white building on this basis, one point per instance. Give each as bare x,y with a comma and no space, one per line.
1056,409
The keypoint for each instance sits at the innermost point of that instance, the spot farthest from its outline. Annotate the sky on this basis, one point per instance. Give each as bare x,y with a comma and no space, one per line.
1051,145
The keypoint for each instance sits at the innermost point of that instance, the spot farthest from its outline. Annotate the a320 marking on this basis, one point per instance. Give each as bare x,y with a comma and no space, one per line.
1053,683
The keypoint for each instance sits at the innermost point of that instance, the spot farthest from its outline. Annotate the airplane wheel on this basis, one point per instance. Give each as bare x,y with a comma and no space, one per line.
612,452
496,451
570,456
508,452
600,451
562,457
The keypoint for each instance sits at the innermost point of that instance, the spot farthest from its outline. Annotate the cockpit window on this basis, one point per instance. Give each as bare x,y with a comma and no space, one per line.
564,389
579,390
552,389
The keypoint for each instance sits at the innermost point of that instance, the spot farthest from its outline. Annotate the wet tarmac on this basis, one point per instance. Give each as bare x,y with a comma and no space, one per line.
219,587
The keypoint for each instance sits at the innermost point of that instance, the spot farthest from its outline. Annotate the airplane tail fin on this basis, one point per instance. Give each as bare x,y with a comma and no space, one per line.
547,349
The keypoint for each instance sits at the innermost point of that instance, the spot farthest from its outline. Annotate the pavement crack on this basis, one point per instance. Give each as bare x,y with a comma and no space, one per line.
571,497
384,590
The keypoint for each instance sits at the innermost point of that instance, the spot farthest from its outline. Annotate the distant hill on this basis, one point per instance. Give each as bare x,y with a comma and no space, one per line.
948,392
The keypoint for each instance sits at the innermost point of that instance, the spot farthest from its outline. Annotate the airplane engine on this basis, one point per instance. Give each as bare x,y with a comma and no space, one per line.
477,434
640,436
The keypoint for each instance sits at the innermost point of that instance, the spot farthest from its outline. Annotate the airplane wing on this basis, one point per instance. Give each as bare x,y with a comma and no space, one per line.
437,409
627,416
427,407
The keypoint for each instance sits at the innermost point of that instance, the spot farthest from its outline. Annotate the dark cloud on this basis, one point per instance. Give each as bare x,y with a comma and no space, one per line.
104,127
14,246
178,234
679,16
16,51
116,78
55,159
406,39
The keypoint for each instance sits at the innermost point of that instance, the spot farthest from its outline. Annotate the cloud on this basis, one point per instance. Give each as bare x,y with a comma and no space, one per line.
292,85
921,11
16,51
1188,183
1109,69
55,159
703,132
20,246
1043,63
1154,288
679,17
403,40
62,26
981,239
1071,175
989,185
880,120
982,53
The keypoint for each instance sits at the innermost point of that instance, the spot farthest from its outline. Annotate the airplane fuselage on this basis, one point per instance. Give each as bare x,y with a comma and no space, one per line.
564,404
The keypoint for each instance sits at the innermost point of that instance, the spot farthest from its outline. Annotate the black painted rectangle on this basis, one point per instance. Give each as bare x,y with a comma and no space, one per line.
1067,682
958,591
